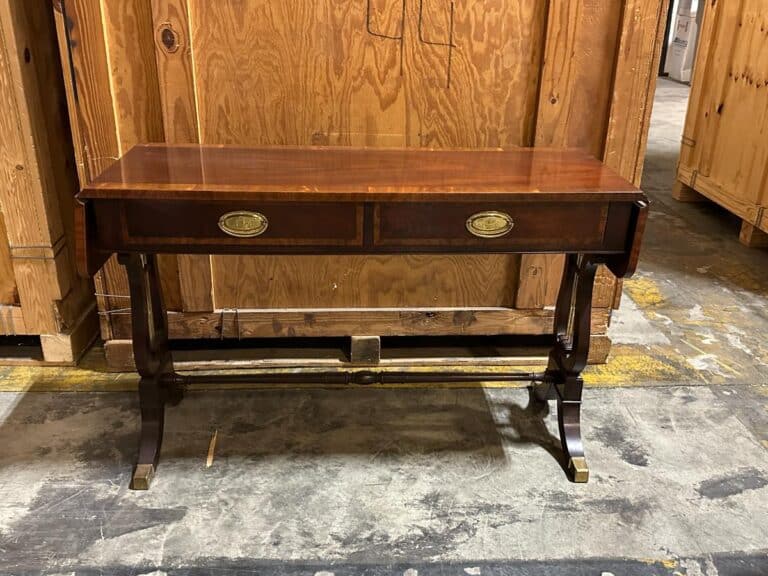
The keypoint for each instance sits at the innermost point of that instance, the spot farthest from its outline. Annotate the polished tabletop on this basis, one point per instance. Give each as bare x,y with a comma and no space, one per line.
195,172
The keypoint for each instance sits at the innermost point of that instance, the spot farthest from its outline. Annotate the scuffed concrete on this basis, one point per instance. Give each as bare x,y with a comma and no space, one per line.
378,477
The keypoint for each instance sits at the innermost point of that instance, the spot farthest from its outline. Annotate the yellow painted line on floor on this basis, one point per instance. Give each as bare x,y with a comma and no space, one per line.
643,291
630,366
668,563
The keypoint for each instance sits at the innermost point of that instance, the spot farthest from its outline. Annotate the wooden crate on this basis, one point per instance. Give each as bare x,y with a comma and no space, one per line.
40,293
428,73
724,155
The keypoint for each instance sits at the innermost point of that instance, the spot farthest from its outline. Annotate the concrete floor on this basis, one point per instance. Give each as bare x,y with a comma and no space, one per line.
432,481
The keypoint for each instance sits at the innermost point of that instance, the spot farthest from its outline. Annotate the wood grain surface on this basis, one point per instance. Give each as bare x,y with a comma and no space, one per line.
725,152
280,173
37,176
8,292
246,72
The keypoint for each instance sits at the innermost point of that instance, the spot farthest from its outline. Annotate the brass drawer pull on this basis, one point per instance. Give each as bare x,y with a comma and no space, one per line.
243,224
490,224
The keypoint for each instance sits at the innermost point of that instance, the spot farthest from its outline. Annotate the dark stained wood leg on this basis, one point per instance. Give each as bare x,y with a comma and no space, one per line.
153,361
569,358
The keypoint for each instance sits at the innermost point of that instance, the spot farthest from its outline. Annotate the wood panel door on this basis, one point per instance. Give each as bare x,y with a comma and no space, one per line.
424,73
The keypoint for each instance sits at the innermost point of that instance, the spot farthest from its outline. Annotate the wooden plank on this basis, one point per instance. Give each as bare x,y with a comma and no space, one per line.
92,85
599,349
753,237
119,355
311,323
112,58
173,52
133,72
684,193
12,321
577,74
708,34
745,209
62,23
25,205
8,292
574,100
735,152
92,115
40,181
636,69
68,347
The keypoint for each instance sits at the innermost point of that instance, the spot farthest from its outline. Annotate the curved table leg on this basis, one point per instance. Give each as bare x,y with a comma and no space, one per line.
569,358
153,362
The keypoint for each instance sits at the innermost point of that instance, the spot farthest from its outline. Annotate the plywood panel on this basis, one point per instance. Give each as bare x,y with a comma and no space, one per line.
430,73
362,281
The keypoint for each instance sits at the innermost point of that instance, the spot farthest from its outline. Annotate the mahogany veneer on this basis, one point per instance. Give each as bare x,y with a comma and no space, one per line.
312,200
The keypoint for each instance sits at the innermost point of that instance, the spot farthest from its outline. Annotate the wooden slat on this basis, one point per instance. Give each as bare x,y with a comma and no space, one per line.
311,323
173,51
12,321
92,86
68,347
753,237
38,178
637,66
8,292
94,122
574,99
708,34
25,205
637,63
575,91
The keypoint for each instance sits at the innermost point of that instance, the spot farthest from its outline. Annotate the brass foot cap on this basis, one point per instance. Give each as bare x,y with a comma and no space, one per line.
579,470
142,476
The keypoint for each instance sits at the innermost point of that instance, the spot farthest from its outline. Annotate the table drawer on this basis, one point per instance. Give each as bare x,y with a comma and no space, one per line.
160,222
505,226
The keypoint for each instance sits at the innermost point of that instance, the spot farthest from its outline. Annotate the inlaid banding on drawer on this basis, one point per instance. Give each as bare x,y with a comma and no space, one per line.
534,226
290,223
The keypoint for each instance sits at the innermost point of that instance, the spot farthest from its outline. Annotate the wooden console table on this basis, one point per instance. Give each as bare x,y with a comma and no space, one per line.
299,200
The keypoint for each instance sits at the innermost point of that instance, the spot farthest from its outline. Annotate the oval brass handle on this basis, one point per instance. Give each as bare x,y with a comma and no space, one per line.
490,224
243,224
